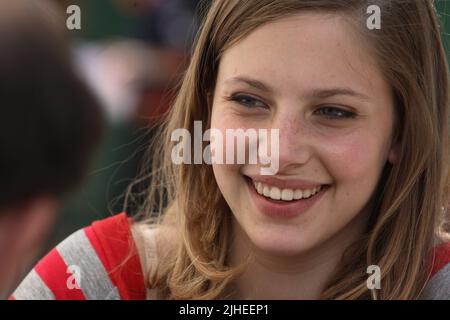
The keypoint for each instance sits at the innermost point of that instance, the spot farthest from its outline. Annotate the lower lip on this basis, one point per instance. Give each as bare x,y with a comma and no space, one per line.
283,209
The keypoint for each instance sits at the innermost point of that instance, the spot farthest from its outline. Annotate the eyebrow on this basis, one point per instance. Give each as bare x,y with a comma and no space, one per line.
315,93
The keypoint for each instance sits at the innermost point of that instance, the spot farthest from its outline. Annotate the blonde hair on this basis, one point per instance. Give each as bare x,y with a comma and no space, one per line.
411,197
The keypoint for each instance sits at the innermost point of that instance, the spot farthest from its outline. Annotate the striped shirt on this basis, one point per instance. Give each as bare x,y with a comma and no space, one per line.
101,262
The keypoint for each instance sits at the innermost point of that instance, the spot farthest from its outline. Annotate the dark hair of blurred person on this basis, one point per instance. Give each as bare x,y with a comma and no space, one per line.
50,124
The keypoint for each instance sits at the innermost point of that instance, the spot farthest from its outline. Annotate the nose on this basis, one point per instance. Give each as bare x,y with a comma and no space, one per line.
295,140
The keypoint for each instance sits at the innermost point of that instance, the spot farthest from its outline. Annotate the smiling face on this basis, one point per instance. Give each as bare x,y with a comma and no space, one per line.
309,76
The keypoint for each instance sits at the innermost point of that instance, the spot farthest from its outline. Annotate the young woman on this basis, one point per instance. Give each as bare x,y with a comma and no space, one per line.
362,181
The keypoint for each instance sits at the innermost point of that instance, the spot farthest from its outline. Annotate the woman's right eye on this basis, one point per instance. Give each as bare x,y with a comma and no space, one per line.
247,101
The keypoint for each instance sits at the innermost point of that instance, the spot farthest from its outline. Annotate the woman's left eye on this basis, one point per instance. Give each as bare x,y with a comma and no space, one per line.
331,112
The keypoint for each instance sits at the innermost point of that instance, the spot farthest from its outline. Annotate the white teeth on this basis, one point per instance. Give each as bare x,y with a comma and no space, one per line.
306,193
266,191
287,194
259,187
298,194
275,193
284,194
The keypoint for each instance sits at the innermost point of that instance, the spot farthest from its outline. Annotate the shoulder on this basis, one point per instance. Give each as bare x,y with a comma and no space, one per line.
154,244
438,287
98,262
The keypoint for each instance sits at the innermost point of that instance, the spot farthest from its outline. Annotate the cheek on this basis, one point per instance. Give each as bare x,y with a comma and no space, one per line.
228,176
220,174
222,119
230,183
356,160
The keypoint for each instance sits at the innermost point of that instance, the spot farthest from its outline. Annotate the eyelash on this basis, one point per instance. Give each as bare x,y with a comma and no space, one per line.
239,97
344,114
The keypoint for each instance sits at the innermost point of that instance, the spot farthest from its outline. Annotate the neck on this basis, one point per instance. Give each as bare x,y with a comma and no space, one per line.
303,276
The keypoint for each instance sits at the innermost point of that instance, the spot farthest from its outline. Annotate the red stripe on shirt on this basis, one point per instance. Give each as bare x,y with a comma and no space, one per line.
441,257
53,272
112,240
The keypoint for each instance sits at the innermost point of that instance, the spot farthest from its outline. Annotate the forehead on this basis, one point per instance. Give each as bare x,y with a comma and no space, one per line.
306,50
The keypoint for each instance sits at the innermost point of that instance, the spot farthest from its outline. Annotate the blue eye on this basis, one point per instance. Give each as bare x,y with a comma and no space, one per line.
332,113
247,101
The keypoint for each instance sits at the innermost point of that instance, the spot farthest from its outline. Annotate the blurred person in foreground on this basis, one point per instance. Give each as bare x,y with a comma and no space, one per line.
50,124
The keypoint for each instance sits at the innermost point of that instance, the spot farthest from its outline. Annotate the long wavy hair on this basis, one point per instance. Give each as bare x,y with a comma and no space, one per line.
411,198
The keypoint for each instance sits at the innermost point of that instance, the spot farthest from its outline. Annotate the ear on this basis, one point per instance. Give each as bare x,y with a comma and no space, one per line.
34,220
23,230
393,154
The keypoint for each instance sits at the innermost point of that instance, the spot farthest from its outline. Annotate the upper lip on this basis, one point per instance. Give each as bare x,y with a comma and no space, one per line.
290,183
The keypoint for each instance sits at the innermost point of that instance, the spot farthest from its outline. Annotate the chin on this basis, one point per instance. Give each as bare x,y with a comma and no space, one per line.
283,244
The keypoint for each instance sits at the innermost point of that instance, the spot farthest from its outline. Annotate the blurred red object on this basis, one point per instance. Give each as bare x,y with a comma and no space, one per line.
157,98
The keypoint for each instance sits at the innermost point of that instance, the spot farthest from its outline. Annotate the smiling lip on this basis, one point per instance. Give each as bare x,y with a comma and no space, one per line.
286,183
280,208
